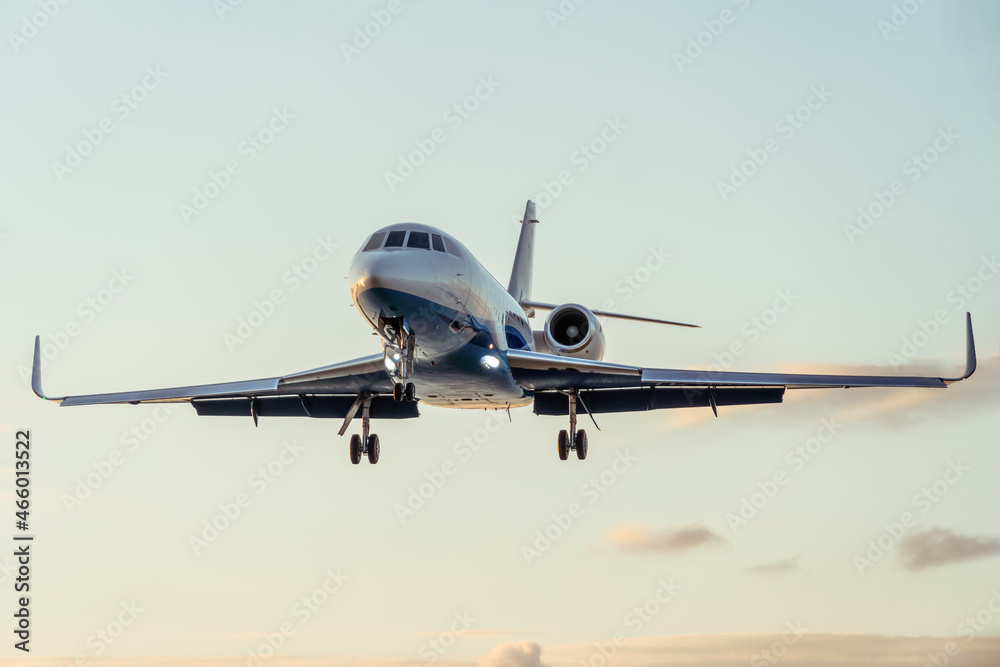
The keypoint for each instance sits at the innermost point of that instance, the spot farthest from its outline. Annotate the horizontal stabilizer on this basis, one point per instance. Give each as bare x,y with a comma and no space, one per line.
537,305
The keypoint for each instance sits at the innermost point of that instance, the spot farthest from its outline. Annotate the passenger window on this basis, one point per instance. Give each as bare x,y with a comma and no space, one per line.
419,240
374,242
395,240
438,243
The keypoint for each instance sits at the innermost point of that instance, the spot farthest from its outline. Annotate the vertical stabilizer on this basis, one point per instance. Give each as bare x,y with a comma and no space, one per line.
520,274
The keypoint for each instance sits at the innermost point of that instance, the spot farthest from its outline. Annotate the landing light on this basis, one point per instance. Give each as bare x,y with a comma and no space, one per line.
490,361
390,365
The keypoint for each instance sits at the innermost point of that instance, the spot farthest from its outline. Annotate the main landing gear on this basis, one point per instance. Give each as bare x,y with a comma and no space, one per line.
367,443
572,440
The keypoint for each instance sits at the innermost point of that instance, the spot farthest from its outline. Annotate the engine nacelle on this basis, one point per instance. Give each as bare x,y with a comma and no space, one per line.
573,331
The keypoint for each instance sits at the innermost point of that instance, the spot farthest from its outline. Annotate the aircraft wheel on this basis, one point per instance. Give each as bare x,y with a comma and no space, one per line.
373,448
355,449
563,445
397,392
581,444
409,392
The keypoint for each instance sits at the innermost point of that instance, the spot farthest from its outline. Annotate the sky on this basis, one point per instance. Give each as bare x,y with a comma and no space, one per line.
812,183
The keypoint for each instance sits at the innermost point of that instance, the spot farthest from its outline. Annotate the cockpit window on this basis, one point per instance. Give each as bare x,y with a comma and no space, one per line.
374,242
395,239
419,240
451,247
438,243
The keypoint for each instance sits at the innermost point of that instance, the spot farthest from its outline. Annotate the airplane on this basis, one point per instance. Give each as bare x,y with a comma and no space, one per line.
453,336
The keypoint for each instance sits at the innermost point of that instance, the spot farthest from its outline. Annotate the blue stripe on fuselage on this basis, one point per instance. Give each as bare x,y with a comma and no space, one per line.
450,343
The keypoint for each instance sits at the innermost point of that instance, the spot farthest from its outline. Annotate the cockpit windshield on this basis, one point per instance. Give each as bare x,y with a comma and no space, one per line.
400,238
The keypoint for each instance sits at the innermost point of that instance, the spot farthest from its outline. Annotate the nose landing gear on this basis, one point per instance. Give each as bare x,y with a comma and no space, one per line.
403,392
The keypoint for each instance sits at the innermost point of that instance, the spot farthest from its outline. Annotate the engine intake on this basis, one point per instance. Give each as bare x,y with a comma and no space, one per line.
571,330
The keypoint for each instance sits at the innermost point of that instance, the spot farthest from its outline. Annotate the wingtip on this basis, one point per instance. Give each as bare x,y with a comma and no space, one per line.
36,372
36,369
970,352
970,347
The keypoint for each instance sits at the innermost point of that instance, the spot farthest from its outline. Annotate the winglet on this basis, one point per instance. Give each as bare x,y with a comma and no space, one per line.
970,352
36,372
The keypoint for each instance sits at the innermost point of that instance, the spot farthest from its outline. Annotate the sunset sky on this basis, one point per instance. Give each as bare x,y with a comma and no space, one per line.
821,179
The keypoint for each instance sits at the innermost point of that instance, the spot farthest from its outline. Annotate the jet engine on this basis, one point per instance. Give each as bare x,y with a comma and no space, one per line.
573,331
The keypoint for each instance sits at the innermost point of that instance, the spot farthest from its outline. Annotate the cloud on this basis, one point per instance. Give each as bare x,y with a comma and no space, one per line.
778,567
712,650
940,546
814,650
636,537
513,654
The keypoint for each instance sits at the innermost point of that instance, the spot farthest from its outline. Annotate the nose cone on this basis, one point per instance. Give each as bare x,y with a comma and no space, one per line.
388,270
406,283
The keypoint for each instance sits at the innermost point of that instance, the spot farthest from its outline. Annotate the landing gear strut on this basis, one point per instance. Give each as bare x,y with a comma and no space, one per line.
572,440
367,443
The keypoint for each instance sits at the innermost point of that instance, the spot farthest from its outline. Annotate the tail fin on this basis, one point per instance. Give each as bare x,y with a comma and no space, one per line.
520,274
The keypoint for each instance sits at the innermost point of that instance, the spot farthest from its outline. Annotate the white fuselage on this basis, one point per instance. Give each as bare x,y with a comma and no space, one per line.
453,307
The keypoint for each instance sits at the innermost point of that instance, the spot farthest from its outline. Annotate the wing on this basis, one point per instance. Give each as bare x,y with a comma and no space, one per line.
329,391
625,388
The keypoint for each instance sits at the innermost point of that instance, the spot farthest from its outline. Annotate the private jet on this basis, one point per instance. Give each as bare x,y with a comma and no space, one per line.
452,336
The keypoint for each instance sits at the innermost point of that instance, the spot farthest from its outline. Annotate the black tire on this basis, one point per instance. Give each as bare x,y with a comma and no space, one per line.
581,444
410,392
563,445
355,449
373,449
397,392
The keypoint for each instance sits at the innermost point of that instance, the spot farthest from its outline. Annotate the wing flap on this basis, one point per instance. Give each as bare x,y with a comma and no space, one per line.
599,401
321,407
